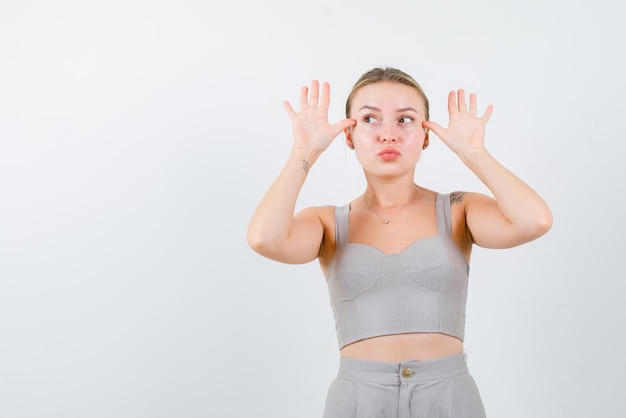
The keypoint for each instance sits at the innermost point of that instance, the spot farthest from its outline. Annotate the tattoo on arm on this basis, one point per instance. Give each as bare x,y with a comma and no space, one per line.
306,166
456,197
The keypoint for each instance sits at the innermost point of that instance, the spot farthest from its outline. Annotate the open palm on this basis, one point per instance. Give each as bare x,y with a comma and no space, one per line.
466,130
311,128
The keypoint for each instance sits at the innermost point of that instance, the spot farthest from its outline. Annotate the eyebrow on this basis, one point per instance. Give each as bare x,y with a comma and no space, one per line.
402,109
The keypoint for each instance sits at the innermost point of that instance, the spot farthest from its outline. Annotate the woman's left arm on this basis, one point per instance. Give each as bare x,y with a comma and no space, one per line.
517,214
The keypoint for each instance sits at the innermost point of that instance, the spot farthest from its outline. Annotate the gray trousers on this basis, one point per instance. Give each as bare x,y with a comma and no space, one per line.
440,388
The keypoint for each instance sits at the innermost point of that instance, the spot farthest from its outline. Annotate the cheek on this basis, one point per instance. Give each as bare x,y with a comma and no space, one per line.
414,136
365,128
412,128
363,134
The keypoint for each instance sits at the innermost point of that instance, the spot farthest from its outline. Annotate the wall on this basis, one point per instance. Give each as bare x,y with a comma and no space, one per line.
137,137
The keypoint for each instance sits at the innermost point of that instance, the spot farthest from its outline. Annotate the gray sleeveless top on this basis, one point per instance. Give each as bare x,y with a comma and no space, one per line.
421,289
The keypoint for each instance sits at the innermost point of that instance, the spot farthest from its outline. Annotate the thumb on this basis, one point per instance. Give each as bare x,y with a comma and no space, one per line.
435,127
342,125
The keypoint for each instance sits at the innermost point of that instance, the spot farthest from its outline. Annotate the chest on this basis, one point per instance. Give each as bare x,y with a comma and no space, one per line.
433,263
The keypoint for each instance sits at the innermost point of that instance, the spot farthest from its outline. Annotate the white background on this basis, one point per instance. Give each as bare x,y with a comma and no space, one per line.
136,138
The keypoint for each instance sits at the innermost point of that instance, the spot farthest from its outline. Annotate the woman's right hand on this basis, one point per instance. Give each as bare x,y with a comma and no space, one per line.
311,129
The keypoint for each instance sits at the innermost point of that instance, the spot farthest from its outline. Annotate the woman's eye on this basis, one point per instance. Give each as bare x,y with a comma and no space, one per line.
370,119
405,119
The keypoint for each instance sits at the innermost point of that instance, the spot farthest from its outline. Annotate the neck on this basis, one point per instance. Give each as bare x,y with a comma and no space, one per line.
388,212
388,198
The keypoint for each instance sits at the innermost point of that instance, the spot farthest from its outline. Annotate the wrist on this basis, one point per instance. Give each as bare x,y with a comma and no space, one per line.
305,155
474,155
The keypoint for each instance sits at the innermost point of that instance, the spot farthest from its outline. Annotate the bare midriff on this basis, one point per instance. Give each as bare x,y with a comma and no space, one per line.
403,347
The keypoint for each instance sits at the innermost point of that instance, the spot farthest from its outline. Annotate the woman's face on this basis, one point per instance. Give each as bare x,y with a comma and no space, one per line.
388,137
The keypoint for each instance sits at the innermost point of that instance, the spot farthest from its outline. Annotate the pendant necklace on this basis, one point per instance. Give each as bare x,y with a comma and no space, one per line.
387,220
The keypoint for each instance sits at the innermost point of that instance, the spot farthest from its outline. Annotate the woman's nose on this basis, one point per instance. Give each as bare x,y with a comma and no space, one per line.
388,133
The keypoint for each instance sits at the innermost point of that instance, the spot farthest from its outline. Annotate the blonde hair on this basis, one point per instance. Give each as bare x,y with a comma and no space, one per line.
377,75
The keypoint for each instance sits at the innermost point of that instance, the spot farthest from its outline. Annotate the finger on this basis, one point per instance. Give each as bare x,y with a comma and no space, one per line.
487,113
314,93
473,107
325,97
435,127
452,104
462,104
288,108
342,125
304,101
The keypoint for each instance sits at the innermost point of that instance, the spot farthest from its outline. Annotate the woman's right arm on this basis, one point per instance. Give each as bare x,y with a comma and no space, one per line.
274,231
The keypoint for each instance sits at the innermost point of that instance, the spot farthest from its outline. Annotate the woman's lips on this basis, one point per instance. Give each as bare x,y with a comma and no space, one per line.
389,154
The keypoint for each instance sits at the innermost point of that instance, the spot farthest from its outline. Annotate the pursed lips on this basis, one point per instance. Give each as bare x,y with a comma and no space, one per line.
389,154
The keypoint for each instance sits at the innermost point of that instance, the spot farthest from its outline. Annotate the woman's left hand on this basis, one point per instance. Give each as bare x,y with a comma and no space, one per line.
466,130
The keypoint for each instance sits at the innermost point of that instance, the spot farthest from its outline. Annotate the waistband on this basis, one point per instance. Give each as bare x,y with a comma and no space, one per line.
417,371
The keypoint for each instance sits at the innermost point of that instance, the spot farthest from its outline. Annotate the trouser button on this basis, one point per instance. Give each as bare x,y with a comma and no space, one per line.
406,373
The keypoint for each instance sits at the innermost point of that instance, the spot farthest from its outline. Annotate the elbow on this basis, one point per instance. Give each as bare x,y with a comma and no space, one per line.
546,223
543,224
256,242
261,244
531,229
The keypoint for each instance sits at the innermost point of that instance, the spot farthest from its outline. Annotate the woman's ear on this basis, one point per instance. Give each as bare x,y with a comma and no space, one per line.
425,141
348,133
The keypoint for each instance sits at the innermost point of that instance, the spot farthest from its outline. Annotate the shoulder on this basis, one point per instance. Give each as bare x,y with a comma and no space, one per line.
462,198
457,197
323,213
464,204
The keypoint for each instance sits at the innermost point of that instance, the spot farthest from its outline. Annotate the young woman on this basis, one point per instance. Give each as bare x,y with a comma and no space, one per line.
396,258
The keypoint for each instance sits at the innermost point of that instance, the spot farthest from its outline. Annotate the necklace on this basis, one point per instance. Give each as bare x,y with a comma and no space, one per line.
387,220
